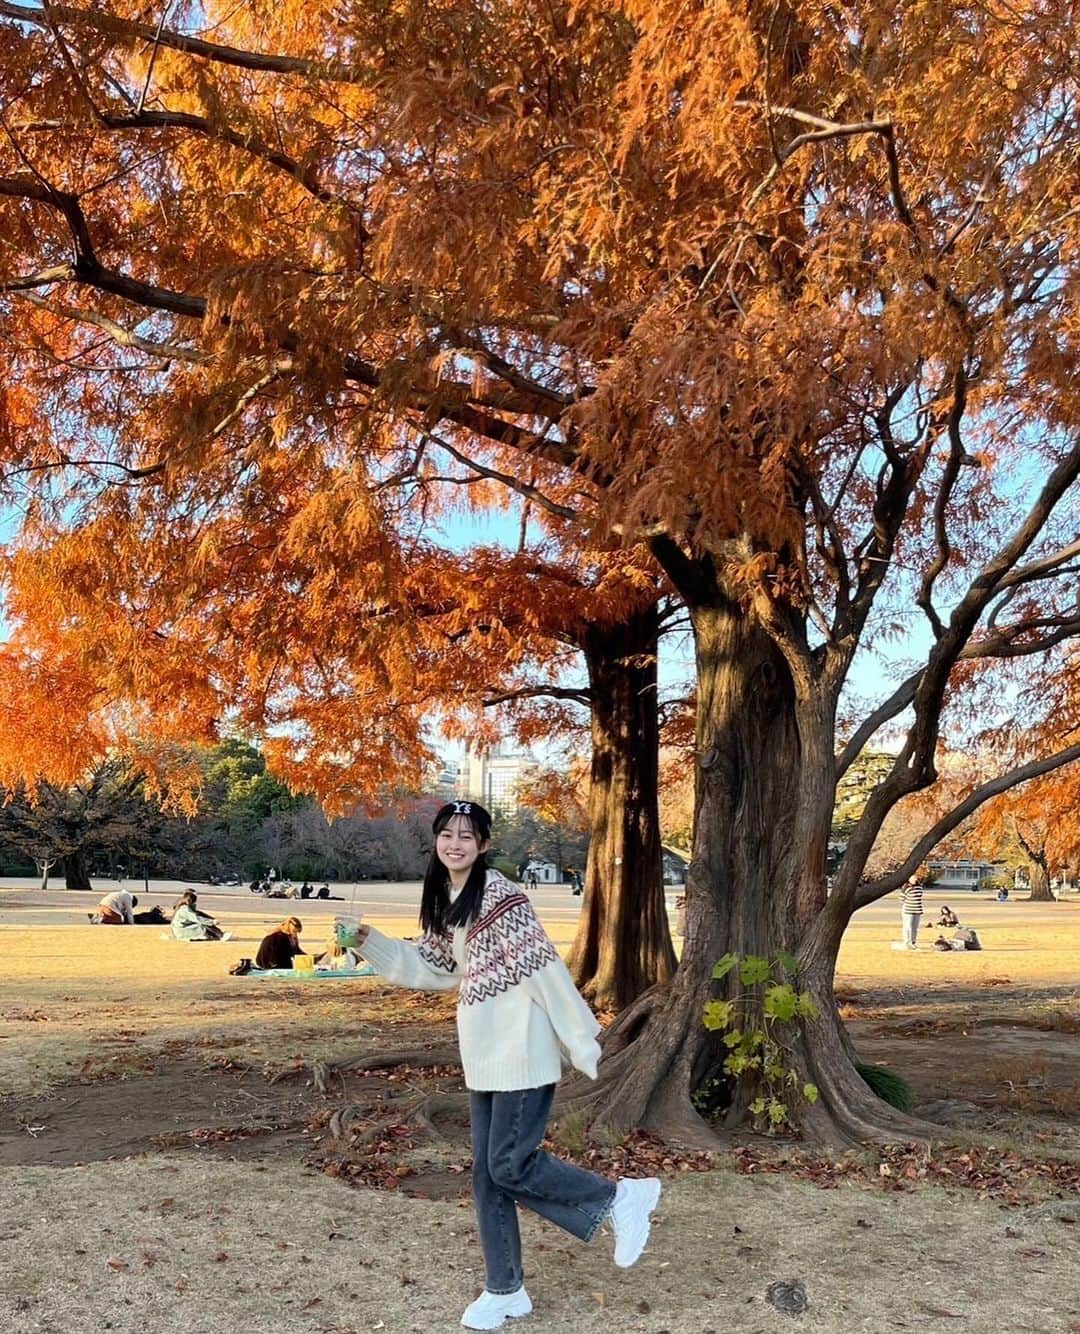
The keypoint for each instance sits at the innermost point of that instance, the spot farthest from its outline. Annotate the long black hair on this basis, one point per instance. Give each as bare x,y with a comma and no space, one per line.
436,910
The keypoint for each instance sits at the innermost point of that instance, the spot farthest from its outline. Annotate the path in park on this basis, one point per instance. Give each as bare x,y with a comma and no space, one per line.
22,904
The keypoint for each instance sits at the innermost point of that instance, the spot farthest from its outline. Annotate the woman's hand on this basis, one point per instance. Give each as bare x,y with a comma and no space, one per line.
350,933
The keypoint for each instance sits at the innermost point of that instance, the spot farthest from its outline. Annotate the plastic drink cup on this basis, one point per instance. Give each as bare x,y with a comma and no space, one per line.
345,930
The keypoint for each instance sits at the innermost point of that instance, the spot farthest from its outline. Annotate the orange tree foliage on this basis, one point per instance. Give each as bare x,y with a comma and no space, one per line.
785,291
1034,824
1037,825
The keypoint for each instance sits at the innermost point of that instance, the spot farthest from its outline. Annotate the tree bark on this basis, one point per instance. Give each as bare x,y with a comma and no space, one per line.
749,889
1040,880
623,942
76,875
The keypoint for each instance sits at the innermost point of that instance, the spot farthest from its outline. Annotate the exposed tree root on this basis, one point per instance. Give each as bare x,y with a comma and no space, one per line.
320,1072
652,1061
357,1124
630,1022
420,1058
439,1104
639,1083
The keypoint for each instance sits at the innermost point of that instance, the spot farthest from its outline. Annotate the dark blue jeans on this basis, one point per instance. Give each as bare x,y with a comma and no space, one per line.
510,1168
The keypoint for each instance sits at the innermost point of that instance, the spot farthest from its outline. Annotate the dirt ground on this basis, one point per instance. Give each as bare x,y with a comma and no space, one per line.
166,1162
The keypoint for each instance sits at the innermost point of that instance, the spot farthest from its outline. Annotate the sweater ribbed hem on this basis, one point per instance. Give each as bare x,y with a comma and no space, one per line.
487,1076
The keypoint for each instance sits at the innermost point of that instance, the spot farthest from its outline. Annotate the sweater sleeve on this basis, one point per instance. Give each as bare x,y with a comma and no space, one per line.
427,966
532,960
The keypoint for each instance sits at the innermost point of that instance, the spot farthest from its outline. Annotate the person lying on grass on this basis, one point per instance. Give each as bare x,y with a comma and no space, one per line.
516,1005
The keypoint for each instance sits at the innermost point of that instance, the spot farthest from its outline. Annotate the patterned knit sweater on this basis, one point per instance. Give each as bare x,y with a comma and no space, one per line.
516,1002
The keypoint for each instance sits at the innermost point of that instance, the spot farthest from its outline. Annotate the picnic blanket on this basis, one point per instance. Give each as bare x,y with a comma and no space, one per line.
298,975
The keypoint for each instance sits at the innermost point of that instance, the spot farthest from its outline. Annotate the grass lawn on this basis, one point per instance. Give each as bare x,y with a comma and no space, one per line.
163,1146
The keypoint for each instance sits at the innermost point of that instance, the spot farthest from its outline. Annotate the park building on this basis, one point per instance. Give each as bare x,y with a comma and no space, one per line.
674,866
964,874
495,778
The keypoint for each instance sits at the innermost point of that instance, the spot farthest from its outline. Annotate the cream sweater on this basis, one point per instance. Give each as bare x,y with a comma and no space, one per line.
516,1002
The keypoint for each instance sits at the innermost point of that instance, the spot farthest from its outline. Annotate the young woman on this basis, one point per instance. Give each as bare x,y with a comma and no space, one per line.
190,923
335,957
516,1006
278,948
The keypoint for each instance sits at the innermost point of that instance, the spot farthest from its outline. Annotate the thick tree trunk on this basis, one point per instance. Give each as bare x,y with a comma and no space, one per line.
623,943
76,875
754,888
1040,881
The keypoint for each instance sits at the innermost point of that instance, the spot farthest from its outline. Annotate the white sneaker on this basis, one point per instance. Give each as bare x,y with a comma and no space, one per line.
491,1308
631,1217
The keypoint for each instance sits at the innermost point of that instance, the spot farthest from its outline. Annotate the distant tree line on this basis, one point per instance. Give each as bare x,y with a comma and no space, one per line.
246,822
110,824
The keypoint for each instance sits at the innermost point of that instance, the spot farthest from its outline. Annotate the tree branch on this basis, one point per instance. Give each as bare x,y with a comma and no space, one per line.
87,268
1001,644
128,33
522,488
1040,569
918,753
872,890
247,143
534,692
89,271
118,334
252,392
59,273
957,456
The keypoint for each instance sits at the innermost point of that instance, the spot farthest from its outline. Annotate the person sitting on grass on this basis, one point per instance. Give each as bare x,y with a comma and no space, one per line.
335,957
188,923
115,909
277,949
947,917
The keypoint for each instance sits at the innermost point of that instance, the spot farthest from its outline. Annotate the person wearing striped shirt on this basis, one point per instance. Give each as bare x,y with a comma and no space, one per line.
911,911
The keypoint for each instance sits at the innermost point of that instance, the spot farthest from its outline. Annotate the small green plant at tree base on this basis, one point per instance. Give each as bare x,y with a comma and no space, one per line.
757,1024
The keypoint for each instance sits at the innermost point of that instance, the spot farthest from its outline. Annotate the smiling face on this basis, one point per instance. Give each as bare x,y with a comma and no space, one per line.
458,847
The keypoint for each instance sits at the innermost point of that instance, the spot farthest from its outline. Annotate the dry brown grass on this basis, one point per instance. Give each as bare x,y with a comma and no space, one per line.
112,997
193,1245
186,1246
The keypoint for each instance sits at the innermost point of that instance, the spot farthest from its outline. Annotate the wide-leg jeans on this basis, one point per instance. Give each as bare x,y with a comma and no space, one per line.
510,1168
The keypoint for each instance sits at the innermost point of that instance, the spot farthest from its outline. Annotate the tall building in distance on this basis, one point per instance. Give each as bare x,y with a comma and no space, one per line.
443,779
495,778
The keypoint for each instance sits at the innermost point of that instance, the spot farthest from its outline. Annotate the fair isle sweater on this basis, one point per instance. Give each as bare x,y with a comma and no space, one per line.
516,1001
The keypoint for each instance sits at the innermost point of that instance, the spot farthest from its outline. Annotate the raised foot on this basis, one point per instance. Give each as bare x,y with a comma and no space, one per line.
631,1217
